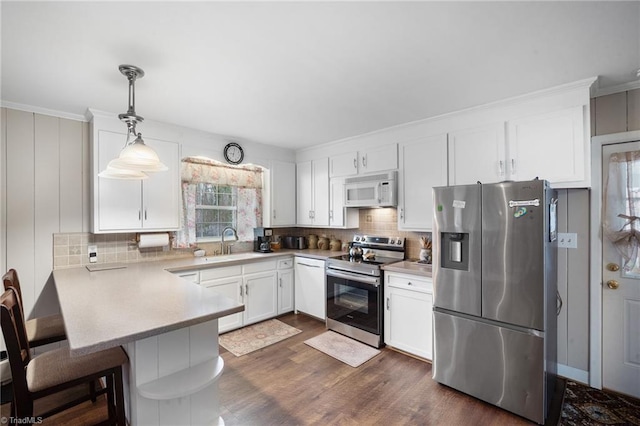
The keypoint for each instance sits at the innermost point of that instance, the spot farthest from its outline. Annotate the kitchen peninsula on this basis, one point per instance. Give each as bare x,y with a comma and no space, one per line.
167,326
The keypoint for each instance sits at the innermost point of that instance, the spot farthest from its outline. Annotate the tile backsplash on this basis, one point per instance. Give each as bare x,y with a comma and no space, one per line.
71,249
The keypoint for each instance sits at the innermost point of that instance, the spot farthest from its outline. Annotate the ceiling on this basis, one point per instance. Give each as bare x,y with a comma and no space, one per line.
297,74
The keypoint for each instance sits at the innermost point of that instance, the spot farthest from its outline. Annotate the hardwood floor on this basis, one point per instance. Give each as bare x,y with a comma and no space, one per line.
290,383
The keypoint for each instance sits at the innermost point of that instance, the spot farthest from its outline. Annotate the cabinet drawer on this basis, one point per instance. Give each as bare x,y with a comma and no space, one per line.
410,282
221,272
251,268
285,263
191,276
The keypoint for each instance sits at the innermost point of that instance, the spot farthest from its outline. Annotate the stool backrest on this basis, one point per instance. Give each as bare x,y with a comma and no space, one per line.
15,338
10,279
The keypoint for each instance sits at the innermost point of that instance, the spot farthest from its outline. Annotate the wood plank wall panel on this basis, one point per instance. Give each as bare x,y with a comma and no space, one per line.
86,177
633,110
611,113
577,301
47,208
3,190
563,280
71,175
21,202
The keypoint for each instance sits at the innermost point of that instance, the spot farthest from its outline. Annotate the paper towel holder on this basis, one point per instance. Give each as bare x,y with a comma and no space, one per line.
169,237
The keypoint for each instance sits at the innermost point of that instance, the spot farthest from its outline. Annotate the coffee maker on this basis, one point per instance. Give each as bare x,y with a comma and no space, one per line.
262,239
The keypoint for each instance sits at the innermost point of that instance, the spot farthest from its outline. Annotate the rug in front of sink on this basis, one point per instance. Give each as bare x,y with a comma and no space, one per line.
257,336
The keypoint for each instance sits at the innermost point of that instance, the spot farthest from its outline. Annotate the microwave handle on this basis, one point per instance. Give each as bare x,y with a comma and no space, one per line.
378,191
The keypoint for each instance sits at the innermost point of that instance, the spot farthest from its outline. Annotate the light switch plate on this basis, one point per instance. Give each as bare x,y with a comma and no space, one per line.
567,240
93,254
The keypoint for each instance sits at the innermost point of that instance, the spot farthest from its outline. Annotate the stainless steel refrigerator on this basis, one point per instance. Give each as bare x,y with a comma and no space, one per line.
495,273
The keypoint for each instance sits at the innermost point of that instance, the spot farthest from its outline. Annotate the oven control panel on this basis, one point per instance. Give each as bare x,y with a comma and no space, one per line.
379,241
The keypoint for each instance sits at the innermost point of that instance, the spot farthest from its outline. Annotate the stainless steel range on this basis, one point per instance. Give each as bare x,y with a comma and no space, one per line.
355,284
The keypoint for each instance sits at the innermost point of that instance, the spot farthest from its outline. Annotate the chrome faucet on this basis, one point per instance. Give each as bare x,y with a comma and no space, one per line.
224,231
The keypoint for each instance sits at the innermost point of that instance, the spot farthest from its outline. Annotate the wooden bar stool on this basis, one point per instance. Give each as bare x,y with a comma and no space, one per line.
40,331
56,370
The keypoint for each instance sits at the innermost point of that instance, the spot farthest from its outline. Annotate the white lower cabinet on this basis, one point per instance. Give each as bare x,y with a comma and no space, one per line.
265,288
285,286
310,289
408,313
226,280
260,296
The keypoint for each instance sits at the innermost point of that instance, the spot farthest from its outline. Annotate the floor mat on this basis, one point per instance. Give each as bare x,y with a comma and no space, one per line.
342,348
584,405
257,336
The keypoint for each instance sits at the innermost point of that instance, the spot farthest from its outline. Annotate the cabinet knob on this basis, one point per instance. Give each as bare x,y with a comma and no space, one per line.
355,163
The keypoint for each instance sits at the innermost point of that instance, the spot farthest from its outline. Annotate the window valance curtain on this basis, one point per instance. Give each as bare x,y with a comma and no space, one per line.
247,180
200,170
622,205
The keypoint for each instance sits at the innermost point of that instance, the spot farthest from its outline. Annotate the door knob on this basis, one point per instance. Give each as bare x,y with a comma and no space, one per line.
613,284
613,267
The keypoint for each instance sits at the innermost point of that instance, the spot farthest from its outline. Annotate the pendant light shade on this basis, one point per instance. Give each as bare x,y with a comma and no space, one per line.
136,158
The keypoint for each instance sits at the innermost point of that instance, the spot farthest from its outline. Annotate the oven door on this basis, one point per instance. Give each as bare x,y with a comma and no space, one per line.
355,300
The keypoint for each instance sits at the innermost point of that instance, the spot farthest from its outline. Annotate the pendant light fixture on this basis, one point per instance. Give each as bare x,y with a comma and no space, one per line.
136,159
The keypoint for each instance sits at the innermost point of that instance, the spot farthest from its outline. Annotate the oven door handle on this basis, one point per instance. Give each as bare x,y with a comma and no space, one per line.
355,277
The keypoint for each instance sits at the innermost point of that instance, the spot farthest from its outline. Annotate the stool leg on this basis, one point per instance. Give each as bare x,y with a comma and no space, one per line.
92,390
111,409
119,397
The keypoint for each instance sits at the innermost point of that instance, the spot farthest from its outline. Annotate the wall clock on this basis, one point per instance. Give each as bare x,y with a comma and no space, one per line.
233,153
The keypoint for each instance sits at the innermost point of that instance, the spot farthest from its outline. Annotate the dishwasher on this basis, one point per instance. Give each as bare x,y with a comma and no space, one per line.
310,289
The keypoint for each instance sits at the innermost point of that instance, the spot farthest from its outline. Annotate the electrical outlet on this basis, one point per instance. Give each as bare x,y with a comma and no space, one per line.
93,254
567,240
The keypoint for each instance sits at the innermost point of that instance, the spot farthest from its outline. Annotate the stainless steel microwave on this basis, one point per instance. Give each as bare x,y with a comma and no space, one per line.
379,190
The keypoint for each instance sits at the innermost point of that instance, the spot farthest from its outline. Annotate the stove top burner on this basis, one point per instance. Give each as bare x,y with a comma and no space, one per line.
374,261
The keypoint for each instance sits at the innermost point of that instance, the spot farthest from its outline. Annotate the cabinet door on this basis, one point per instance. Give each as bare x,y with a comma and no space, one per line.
477,154
231,288
321,192
260,292
117,203
408,321
285,291
423,165
344,164
161,192
379,159
336,202
549,146
304,179
310,291
283,193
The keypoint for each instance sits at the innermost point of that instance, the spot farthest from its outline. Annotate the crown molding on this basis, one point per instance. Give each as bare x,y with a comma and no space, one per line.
43,111
610,90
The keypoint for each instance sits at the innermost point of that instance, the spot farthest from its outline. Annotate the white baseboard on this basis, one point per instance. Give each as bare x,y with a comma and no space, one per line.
573,373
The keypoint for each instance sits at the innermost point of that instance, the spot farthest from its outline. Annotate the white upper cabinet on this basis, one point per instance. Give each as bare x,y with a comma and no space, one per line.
423,165
152,204
339,215
312,179
344,164
550,146
283,194
365,161
477,154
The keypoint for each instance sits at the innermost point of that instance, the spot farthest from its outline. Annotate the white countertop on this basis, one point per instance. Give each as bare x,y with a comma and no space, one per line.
410,267
107,308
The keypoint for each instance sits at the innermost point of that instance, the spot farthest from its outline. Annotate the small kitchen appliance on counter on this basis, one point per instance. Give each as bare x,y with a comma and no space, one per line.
494,274
355,284
262,240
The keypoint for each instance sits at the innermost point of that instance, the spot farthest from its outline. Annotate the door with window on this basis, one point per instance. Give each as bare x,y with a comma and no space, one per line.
621,268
